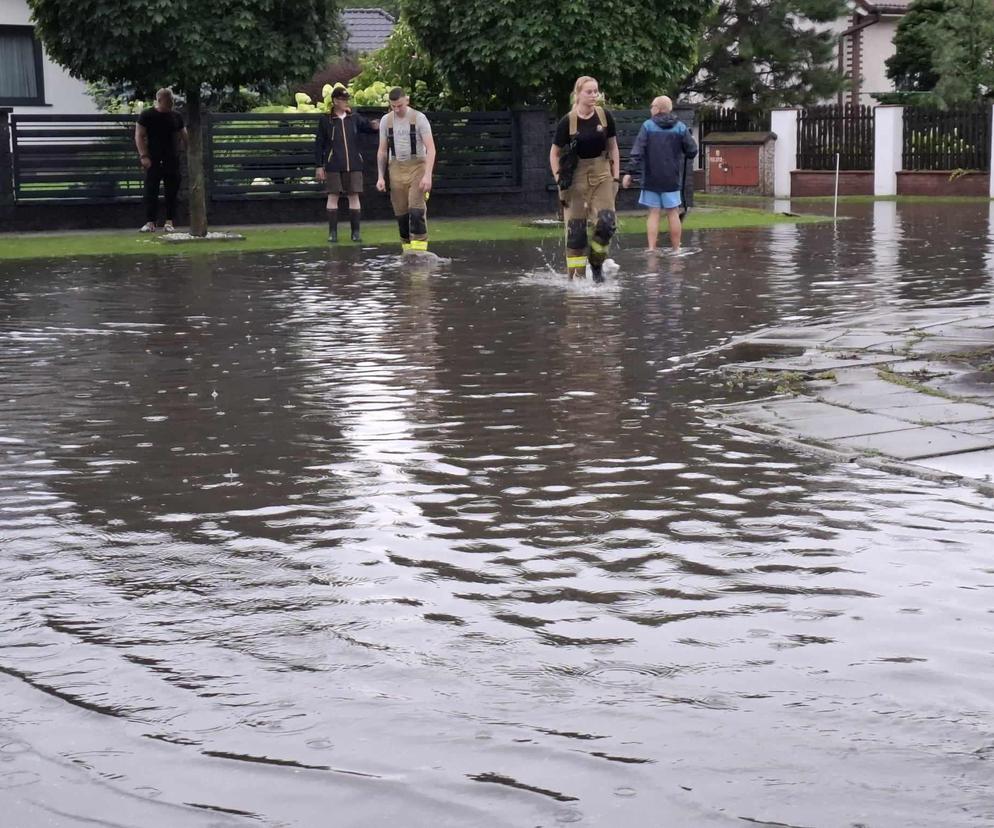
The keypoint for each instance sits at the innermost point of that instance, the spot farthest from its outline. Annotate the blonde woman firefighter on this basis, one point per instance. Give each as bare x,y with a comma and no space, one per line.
586,163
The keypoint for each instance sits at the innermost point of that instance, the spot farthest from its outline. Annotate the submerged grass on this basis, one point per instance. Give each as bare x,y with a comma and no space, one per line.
296,237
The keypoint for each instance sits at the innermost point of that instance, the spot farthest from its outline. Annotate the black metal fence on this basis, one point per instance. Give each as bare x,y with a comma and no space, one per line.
92,158
953,139
272,156
711,119
82,158
255,156
831,133
260,156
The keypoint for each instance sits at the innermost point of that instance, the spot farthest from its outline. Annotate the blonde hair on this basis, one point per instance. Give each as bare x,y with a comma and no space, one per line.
581,81
165,94
662,103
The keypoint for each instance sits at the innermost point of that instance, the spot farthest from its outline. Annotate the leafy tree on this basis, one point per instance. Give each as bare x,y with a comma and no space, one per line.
403,61
186,44
520,51
964,52
124,97
766,53
911,67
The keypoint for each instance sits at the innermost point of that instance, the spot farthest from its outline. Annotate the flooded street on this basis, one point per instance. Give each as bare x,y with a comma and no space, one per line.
312,539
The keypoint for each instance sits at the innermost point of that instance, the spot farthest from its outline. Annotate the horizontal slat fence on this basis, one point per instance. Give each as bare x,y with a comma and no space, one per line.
272,156
253,156
77,158
92,158
477,151
954,139
826,131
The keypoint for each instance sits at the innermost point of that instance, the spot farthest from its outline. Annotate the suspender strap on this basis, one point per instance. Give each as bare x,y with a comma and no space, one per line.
574,126
412,120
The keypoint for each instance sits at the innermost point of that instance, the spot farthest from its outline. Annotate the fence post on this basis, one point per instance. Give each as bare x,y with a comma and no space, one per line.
990,159
888,148
6,165
783,123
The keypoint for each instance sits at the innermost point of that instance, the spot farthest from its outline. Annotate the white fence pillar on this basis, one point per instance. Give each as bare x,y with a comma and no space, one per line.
888,148
783,123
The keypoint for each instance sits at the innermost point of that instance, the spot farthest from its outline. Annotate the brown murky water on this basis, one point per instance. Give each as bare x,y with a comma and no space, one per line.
313,539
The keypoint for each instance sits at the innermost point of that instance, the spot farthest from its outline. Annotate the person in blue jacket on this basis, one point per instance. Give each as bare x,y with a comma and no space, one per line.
659,157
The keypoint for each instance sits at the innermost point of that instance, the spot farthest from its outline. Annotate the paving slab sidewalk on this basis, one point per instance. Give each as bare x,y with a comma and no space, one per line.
909,390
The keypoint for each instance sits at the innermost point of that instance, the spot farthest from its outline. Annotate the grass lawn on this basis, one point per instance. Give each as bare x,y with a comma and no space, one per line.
296,237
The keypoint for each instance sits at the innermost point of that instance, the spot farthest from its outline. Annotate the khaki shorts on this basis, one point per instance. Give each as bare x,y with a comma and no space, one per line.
344,182
405,192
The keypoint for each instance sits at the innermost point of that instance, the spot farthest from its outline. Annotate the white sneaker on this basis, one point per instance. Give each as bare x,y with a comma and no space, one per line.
168,227
148,227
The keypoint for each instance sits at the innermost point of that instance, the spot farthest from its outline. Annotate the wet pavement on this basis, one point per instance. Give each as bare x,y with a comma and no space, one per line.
316,538
913,386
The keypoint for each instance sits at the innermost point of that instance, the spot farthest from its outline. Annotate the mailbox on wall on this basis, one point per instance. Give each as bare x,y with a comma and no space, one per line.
739,162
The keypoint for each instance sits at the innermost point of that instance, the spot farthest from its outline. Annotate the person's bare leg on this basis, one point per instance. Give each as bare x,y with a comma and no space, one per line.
652,227
353,201
676,227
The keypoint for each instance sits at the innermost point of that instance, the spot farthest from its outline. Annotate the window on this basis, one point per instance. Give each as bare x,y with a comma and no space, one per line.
21,79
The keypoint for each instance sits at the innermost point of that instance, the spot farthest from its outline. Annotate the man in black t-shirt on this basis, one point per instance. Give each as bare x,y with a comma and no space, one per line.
160,135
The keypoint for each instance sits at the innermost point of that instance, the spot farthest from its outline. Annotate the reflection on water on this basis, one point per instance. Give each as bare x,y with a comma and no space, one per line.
293,535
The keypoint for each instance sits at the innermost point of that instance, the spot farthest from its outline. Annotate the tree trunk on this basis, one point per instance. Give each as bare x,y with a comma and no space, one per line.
195,164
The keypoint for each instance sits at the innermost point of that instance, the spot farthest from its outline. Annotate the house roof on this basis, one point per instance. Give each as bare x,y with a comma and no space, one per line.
884,6
368,29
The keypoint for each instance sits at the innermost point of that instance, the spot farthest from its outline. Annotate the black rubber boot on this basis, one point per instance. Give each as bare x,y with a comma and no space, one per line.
354,221
333,226
597,272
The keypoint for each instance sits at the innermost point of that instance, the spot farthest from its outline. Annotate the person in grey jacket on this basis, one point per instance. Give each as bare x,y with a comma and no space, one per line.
659,158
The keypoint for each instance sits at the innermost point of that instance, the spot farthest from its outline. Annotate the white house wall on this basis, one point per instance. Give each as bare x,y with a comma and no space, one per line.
878,45
63,95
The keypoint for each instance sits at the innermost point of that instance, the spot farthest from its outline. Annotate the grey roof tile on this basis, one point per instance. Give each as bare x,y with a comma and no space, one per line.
368,29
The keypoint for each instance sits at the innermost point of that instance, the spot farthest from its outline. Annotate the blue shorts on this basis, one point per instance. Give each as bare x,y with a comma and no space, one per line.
666,201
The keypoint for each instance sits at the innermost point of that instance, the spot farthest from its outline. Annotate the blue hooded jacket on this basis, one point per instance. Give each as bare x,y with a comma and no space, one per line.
660,152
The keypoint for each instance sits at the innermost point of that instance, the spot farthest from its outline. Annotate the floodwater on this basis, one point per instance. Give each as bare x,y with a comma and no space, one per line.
313,539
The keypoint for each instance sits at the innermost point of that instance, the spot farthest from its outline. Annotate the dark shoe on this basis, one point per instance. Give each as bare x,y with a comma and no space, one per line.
333,235
354,225
597,271
333,226
355,236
